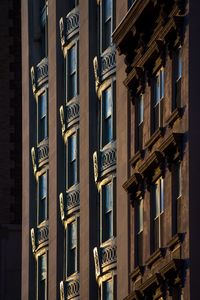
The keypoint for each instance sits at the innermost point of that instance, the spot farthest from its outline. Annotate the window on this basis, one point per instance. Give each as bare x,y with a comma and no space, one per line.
42,197
139,123
108,293
177,75
72,171
42,117
72,72
130,2
176,197
42,277
158,212
157,100
72,258
107,23
44,28
73,4
107,211
139,233
107,128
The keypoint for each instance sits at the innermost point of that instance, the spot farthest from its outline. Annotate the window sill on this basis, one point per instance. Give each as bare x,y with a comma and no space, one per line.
155,137
138,271
176,114
158,254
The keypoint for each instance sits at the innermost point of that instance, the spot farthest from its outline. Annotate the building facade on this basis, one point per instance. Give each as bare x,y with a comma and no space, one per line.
10,150
109,150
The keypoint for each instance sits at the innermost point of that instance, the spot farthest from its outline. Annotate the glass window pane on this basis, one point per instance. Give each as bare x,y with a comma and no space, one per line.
72,60
43,186
107,129
107,214
71,251
108,290
161,181
107,9
162,84
72,147
42,105
157,199
140,216
43,267
140,110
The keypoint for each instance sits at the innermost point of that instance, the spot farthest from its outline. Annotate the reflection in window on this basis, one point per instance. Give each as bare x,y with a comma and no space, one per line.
107,118
107,211
42,197
42,277
108,290
72,248
177,75
157,101
158,213
42,117
72,160
139,123
72,73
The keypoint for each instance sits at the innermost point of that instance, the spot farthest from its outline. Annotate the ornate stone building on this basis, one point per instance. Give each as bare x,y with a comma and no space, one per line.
109,150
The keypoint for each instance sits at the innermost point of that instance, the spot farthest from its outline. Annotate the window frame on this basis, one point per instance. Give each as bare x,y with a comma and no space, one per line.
104,237
68,96
103,45
139,124
108,277
38,264
112,86
157,99
177,73
139,205
74,131
176,176
157,211
45,117
44,29
74,219
39,220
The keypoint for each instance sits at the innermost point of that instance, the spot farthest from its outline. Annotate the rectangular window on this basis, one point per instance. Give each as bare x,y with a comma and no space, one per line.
157,100
42,197
176,197
108,293
72,160
139,233
139,117
42,277
177,75
107,23
158,213
44,28
72,72
107,116
107,211
42,117
72,248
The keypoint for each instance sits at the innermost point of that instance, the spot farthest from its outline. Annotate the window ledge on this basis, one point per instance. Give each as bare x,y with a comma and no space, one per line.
155,137
176,239
158,254
138,271
176,114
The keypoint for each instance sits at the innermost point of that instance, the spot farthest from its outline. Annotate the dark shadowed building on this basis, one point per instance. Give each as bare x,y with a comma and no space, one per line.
10,150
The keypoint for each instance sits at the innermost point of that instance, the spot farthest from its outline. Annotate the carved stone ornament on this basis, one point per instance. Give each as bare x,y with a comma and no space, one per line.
96,262
62,213
33,239
62,118
33,81
96,72
95,164
62,291
62,34
34,162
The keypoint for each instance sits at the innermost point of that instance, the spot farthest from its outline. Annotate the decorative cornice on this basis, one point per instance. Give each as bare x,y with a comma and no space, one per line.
159,253
39,237
69,115
108,62
69,26
151,163
39,75
69,202
70,289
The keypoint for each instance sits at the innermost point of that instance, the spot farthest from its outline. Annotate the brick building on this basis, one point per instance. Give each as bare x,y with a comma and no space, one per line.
110,149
